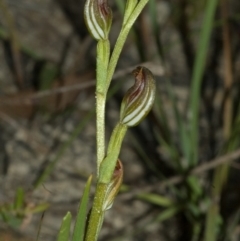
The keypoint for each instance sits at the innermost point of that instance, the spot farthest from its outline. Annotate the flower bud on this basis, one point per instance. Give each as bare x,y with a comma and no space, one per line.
98,18
139,99
114,186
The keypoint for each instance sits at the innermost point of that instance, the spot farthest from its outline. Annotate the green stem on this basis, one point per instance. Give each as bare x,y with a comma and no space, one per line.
100,125
122,38
97,213
105,70
109,163
106,172
103,53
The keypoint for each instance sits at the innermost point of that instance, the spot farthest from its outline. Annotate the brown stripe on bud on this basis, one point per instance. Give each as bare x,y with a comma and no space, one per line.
114,186
98,18
139,99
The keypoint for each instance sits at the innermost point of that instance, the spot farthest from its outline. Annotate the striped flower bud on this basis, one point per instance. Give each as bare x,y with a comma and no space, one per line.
114,186
139,99
98,18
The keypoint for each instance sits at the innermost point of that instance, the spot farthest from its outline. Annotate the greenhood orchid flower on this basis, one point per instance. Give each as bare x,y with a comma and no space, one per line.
139,99
98,18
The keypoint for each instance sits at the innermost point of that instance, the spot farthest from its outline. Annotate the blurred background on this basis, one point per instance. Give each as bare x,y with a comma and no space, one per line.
181,179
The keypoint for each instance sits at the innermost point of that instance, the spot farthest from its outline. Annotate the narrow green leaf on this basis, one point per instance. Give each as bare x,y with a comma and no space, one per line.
168,213
39,208
183,132
64,231
232,226
211,223
10,219
160,112
144,156
153,14
164,136
19,199
198,71
79,229
155,199
170,150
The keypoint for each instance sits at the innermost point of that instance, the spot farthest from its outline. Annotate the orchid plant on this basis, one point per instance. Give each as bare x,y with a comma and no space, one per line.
136,104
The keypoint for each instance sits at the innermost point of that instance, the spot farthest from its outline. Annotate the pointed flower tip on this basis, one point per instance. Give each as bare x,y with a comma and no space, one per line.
139,99
98,18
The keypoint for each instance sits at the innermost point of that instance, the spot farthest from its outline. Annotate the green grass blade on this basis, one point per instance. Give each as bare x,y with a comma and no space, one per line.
170,150
198,71
19,199
211,223
161,116
63,148
221,174
156,199
39,208
168,213
137,146
183,133
232,226
165,138
163,134
155,27
79,229
64,231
